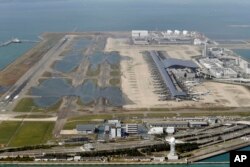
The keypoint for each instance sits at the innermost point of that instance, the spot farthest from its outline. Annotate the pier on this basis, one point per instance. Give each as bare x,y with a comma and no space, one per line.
16,40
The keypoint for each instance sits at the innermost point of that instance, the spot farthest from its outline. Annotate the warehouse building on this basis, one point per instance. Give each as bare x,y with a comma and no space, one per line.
140,37
195,124
166,124
86,129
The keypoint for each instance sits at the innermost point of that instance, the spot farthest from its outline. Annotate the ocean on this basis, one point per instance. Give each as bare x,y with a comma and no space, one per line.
27,19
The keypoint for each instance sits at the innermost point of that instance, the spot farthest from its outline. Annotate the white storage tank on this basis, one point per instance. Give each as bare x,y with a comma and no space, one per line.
185,32
177,32
169,32
170,130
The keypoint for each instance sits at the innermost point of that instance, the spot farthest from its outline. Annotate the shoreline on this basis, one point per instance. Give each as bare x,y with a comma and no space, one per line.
106,163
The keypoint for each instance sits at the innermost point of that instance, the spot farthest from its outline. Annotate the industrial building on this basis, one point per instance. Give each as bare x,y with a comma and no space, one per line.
244,65
157,126
165,124
223,63
140,37
131,128
143,37
216,68
195,124
86,129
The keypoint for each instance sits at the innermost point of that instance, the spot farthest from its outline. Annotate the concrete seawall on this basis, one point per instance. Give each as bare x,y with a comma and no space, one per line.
209,155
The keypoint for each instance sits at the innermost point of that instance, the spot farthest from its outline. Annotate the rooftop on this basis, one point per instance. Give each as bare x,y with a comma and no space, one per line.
170,62
165,76
85,127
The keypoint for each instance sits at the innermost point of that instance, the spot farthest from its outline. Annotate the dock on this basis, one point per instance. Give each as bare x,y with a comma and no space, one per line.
16,40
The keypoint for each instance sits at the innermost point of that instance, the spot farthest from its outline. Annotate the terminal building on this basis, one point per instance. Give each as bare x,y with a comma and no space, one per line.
168,77
244,65
216,68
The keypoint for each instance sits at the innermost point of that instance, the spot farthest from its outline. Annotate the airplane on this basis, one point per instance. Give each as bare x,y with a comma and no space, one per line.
7,97
16,97
192,84
194,99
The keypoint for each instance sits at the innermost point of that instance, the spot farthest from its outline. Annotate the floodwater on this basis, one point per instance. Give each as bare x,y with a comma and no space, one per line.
73,58
99,57
50,91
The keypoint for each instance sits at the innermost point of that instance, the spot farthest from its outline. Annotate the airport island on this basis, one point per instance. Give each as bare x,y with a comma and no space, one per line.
124,97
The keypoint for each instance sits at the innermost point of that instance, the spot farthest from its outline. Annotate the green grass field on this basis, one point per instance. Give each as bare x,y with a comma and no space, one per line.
34,116
32,133
28,105
115,66
114,81
7,130
115,73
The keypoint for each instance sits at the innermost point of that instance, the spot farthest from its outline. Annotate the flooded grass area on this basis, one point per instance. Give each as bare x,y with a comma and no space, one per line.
72,58
89,92
82,70
51,91
114,81
93,70
113,58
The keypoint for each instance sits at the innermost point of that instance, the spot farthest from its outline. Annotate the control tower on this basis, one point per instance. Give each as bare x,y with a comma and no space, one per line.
172,155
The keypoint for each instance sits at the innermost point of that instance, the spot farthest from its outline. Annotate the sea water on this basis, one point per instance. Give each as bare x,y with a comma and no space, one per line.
27,19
